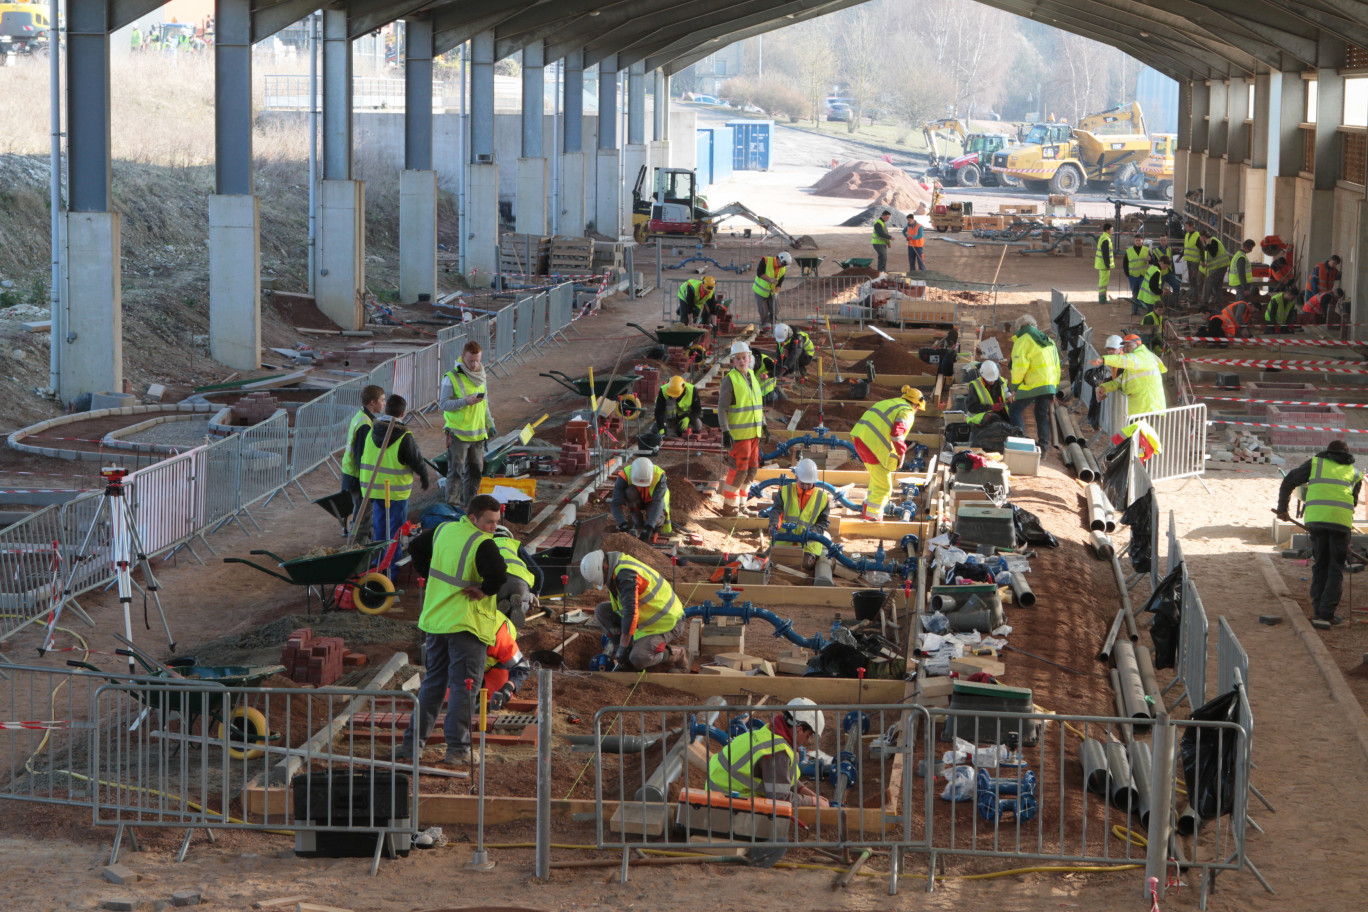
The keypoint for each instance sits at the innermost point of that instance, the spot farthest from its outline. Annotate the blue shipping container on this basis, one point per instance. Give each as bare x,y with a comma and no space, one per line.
703,144
752,144
722,153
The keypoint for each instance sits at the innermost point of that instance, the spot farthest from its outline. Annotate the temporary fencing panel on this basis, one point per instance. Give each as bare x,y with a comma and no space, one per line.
87,539
33,568
1193,635
263,461
522,323
169,500
801,300
402,382
427,376
47,732
1182,434
221,480
562,307
1231,658
503,337
320,427
540,308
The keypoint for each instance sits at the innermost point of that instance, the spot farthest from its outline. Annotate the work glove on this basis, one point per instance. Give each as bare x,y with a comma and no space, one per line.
500,697
425,483
646,534
727,439
620,656
658,429
624,527
1284,515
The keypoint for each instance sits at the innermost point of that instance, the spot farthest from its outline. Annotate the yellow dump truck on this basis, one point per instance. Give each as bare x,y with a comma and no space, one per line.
1158,167
1066,158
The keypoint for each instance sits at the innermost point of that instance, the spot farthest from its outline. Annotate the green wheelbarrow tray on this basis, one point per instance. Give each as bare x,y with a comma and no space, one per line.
604,387
681,338
808,265
856,263
338,505
328,569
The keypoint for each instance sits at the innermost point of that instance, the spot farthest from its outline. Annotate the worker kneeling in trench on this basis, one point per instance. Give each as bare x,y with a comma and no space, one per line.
642,615
804,505
764,763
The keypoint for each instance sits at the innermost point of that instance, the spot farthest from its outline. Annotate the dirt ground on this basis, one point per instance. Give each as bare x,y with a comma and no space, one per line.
1307,764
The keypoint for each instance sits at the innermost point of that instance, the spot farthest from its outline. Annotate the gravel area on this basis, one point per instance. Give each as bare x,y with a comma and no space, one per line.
189,431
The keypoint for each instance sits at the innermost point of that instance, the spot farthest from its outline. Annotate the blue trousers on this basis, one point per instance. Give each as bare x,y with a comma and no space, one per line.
385,523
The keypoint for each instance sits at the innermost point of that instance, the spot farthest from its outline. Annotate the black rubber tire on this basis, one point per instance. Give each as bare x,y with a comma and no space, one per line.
1066,179
969,175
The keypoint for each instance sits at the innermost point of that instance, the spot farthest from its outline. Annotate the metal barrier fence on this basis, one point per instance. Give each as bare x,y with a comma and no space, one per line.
1182,434
503,338
1190,669
320,427
48,734
263,459
1231,658
561,313
177,753
663,771
801,297
168,500
32,569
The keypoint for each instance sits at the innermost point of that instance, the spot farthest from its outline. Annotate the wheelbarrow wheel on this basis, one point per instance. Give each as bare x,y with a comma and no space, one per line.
374,594
246,724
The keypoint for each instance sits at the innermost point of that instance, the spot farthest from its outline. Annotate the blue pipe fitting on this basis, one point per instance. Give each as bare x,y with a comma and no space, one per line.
746,611
823,437
838,496
1026,785
854,718
879,562
699,730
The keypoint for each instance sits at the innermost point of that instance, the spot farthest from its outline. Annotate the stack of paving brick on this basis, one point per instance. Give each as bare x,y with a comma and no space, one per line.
313,660
677,359
574,454
255,408
647,385
1320,416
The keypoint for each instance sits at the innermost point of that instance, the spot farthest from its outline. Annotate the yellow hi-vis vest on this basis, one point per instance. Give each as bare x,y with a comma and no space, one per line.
446,608
509,548
984,397
875,429
798,338
678,409
746,416
471,422
1330,492
700,297
1280,308
349,463
768,277
1145,295
1233,275
1136,260
1191,250
649,496
383,467
658,609
1219,261
804,516
875,239
1100,262
766,365
733,769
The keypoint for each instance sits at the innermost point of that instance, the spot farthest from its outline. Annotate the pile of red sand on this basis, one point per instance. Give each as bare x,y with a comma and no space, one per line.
875,183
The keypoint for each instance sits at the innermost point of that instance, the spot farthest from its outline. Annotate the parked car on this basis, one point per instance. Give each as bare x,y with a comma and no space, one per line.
706,99
840,112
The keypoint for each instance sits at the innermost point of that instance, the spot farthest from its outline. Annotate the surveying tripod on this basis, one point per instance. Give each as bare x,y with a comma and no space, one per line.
125,552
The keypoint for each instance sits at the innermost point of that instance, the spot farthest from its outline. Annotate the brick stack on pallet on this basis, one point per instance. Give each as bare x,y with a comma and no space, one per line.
574,454
255,408
571,256
647,385
313,660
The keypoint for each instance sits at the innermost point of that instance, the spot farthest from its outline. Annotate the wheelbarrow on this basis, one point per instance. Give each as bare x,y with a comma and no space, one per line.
856,263
337,505
603,387
808,265
334,576
680,338
234,720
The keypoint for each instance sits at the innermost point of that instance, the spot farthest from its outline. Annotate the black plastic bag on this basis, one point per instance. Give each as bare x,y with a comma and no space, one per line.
958,433
1210,758
1029,530
1166,603
1138,517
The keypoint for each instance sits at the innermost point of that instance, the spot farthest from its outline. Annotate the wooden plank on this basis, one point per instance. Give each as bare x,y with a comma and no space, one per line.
822,690
839,477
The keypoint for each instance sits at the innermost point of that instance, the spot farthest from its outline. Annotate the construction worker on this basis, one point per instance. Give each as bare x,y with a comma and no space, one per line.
1159,250
1321,306
1102,261
795,350
1234,320
1151,290
763,762
881,239
1323,277
465,411
1192,259
1140,375
801,503
678,407
881,442
642,613
1035,377
769,277
1215,261
1136,262
460,621
1281,312
1332,493
915,233
389,461
741,415
137,39
989,396
505,667
697,300
641,500
372,401
1152,330
767,370
1239,273
519,593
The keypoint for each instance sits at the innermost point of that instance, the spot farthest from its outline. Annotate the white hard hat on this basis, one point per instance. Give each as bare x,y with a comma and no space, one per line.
809,717
785,258
988,370
782,332
591,569
501,531
1113,341
643,471
740,348
806,471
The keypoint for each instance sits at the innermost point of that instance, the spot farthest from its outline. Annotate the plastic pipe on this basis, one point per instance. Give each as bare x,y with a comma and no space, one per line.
1104,654
1148,678
1093,464
1123,794
1120,701
1132,690
658,784
1021,590
943,603
1102,546
1080,465
1094,761
1140,761
1132,631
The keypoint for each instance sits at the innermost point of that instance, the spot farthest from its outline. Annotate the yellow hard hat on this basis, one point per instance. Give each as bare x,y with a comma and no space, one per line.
709,283
675,388
914,397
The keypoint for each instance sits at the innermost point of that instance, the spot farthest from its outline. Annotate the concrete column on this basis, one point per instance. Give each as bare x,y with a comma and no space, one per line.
1356,273
235,280
341,281
1216,138
1201,132
482,100
529,212
608,195
418,180
233,97
482,210
1183,147
1261,121
660,110
92,347
1329,109
1286,94
337,97
635,154
1255,191
1237,150
571,202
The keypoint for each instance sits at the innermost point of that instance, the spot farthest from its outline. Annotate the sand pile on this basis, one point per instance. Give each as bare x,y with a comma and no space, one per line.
894,358
635,547
876,183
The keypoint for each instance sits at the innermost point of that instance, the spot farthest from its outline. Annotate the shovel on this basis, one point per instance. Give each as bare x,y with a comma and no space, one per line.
1352,551
765,856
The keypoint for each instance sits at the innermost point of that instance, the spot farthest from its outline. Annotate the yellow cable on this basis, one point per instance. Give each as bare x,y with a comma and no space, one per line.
1126,834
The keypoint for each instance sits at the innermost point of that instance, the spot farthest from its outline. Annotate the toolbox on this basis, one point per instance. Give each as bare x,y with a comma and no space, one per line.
985,525
359,805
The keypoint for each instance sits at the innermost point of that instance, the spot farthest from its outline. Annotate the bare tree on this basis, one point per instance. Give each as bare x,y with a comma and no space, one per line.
809,58
863,52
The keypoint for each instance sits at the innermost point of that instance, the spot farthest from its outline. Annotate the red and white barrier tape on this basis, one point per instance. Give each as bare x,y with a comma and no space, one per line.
1289,427
1317,366
1285,401
1275,340
50,725
1319,388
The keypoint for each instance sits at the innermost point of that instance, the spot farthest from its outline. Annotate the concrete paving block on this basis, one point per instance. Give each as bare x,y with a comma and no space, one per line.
120,904
120,874
186,898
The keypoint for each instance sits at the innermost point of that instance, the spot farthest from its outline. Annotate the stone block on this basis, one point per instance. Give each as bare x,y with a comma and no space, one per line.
119,904
120,874
109,400
186,898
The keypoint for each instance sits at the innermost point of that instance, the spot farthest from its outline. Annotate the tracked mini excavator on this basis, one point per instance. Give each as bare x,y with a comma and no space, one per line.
675,209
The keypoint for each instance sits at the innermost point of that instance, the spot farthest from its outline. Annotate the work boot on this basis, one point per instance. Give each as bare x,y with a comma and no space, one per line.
403,754
455,756
679,661
1101,297
871,514
730,509
1321,623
